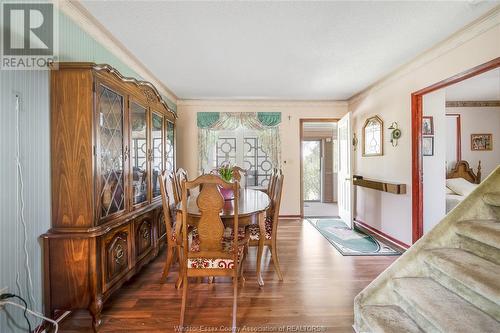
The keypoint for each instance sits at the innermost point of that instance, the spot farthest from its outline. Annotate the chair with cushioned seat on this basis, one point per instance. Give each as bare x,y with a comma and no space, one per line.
212,250
271,224
180,175
167,190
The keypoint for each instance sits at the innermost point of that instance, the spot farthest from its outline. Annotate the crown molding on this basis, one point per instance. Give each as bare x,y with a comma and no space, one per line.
483,24
261,103
84,19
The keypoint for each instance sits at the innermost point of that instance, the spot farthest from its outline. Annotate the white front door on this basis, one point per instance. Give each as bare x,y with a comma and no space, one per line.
345,190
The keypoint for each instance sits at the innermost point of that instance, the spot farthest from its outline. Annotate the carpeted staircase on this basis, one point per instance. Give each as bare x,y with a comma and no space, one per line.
448,281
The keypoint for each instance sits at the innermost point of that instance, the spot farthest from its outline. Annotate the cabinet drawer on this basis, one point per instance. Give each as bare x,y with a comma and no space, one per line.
116,255
143,236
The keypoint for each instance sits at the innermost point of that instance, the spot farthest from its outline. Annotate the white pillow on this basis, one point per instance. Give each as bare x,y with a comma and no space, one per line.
460,186
449,191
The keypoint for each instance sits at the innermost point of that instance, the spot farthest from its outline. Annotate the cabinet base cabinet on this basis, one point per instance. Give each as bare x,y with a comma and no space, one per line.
110,138
82,271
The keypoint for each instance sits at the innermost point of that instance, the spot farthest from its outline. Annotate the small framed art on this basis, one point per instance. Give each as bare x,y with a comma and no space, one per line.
428,146
479,142
427,125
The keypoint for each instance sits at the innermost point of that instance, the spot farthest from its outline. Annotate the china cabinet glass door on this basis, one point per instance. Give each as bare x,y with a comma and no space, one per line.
169,147
111,161
139,153
157,150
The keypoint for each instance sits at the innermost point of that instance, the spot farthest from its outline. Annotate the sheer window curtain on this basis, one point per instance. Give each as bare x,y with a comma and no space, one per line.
265,124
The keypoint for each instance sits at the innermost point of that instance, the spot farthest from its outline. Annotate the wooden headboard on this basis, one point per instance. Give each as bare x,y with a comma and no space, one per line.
463,170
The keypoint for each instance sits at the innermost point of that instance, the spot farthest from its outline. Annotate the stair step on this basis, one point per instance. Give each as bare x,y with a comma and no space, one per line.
483,231
446,311
492,198
388,319
479,274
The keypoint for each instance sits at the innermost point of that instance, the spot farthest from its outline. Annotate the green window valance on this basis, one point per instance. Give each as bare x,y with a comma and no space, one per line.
208,119
269,118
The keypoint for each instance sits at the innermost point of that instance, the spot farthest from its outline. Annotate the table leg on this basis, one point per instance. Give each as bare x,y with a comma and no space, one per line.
260,250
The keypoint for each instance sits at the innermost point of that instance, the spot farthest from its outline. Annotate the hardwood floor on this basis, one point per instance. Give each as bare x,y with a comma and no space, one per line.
318,290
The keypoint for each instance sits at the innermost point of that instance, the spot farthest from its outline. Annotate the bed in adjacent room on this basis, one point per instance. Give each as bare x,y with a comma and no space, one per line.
460,182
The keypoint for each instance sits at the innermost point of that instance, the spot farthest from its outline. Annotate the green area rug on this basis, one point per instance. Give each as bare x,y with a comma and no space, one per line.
351,242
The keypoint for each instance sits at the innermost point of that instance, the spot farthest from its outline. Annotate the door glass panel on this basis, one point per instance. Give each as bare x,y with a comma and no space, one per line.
139,153
157,139
110,112
169,149
312,170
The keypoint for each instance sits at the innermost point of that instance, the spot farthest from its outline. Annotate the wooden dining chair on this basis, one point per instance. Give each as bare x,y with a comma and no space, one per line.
180,175
272,183
271,226
238,172
167,189
210,253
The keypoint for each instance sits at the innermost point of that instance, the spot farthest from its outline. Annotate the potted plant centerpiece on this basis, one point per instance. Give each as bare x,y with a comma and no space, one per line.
226,173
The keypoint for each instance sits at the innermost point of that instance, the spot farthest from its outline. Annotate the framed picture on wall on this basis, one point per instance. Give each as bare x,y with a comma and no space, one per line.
428,146
479,142
427,125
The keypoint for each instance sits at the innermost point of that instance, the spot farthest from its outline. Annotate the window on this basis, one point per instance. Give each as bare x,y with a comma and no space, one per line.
242,148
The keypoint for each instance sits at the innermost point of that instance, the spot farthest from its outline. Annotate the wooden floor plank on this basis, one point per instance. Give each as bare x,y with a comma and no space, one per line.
318,290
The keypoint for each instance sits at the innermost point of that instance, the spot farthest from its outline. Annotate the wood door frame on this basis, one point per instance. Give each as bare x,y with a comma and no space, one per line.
416,132
301,137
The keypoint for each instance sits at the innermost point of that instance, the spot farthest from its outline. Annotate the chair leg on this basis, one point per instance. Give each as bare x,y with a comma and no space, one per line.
168,263
178,284
276,261
184,299
235,302
260,250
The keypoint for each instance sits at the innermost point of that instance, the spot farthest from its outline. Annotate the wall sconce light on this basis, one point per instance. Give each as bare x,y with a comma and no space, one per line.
354,141
395,133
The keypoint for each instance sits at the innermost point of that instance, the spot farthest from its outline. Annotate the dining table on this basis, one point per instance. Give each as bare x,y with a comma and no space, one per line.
252,206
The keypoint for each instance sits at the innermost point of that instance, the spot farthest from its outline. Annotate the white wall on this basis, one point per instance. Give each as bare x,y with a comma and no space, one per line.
480,120
435,166
391,100
451,140
291,113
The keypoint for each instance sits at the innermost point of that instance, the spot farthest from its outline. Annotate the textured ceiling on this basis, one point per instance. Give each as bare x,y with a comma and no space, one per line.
484,87
279,50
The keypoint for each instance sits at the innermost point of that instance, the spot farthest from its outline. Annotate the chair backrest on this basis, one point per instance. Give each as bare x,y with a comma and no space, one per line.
274,212
180,175
210,226
272,183
237,172
167,191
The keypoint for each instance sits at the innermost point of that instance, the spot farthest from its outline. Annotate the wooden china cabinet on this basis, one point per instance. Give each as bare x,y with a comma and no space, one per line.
111,137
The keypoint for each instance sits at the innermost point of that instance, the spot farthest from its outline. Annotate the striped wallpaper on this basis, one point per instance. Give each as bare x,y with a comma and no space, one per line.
32,87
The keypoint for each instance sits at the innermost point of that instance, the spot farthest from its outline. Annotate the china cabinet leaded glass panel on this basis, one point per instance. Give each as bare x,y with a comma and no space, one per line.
110,112
138,122
169,148
157,146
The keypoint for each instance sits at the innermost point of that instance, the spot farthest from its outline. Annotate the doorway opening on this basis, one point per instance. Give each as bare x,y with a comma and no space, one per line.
452,146
318,146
